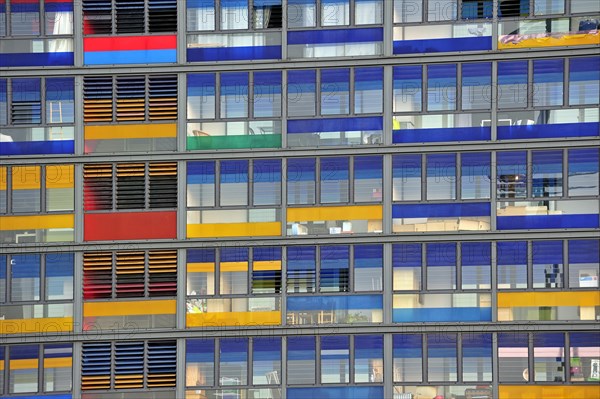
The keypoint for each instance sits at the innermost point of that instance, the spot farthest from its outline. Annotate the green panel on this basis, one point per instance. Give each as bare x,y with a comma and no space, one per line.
223,142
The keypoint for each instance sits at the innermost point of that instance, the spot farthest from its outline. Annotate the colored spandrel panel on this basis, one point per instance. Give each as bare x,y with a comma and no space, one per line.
199,362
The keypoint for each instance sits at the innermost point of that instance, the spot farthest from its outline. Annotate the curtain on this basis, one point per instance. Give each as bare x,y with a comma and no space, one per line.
63,25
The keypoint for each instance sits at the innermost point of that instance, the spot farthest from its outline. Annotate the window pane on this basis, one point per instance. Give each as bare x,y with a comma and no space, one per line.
26,101
545,7
25,281
233,266
584,177
199,362
266,361
368,267
267,182
513,355
442,357
368,176
335,12
584,263
301,13
547,264
266,273
476,265
201,96
441,176
548,82
267,94
547,173
25,18
3,101
233,361
335,91
368,358
234,14
477,86
234,183
512,264
200,15
584,80
23,379
301,269
476,175
408,88
57,378
441,10
406,177
441,266
201,184
477,357
512,174
368,90
368,12
334,180
201,272
407,263
301,92
59,276
406,11
301,175
441,90
60,191
408,357
301,364
512,84
584,349
335,268
473,9
234,95
3,273
335,359
267,14
549,356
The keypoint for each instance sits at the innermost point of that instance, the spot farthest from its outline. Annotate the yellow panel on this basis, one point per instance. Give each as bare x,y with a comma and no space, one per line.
234,266
530,299
129,308
26,177
56,362
566,40
22,364
135,131
1,364
200,267
60,176
335,213
3,178
36,222
548,391
266,265
272,318
45,325
234,229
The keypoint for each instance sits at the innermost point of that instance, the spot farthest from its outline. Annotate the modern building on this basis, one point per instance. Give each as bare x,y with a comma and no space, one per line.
299,199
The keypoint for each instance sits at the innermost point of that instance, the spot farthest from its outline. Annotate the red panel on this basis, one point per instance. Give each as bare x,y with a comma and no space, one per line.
124,43
129,226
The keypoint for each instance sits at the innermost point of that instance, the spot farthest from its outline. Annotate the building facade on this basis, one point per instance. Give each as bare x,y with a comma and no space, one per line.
265,199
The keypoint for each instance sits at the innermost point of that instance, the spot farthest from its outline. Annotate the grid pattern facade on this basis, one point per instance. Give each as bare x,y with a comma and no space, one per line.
290,199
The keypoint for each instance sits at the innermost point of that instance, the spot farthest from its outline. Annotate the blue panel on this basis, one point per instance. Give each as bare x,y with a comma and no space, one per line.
267,349
129,57
267,170
584,161
334,302
368,167
546,71
477,345
200,3
584,251
442,345
512,253
59,7
368,346
442,314
334,80
368,78
301,169
267,83
345,36
26,266
335,342
407,345
199,351
234,349
266,253
234,53
407,255
515,132
36,59
201,84
301,348
37,147
358,392
476,164
58,350
547,252
26,89
18,7
441,210
368,256
582,69
202,172
334,124
547,222
476,253
234,4
513,340
432,135
512,163
585,339
477,74
234,171
234,254
548,340
60,265
512,72
234,83
335,257
408,77
200,256
405,166
480,43
441,254
3,264
301,258
60,89
335,168
19,352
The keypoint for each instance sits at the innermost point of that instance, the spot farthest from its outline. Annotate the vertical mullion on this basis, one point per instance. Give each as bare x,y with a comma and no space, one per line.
494,283
424,285
113,274
317,269
351,359
351,180
113,11
9,192
423,177
529,266
146,17
217,282
250,190
217,197
458,174
459,357
351,86
566,69
218,95
350,283
425,357
565,176
43,299
318,94
250,96
458,267
424,85
147,185
318,359
147,274
216,362
317,180
529,181
42,193
250,361
459,88
530,85
566,266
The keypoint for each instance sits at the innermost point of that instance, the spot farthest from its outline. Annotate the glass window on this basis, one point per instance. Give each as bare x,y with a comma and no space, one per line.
25,279
25,18
442,357
545,7
267,14
584,349
475,175
266,270
406,171
408,89
512,264
512,174
301,363
368,87
301,92
441,176
549,357
23,376
301,173
368,177
233,361
368,267
368,12
408,357
301,269
59,188
3,272
57,376
26,189
335,359
512,84
368,358
441,89
335,12
407,11
267,182
234,14
584,167
473,9
234,183
266,361
301,13
234,95
584,263
513,8
26,101
199,362
201,271
233,267
59,276
60,100
3,102
548,82
407,261
267,94
201,184
477,357
547,173
513,357
335,180
547,264
585,6
335,268
441,266
477,86
201,96
476,265
335,91
441,10
584,80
